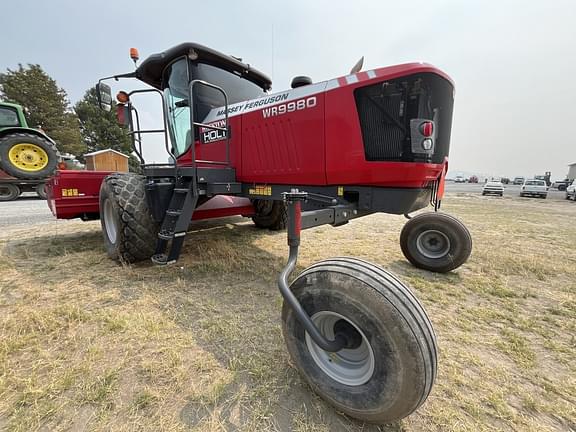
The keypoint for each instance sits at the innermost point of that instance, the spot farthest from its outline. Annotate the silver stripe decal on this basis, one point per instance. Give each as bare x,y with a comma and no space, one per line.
351,79
273,99
332,84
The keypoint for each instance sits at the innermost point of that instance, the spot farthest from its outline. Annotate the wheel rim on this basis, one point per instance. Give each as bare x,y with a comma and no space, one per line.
28,157
433,244
352,367
110,222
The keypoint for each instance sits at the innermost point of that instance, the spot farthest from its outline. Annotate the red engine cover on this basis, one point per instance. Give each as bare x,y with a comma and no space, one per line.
311,136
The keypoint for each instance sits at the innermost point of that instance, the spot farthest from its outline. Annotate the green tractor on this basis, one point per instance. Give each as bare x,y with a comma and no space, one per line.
27,156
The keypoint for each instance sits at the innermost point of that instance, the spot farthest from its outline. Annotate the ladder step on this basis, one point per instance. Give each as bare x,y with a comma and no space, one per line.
166,235
181,190
173,212
169,235
161,259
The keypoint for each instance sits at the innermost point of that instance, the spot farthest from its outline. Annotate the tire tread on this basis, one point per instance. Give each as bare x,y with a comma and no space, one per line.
402,298
137,231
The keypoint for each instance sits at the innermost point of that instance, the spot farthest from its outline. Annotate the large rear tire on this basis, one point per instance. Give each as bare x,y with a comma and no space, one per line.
270,214
28,156
129,230
389,367
436,242
9,192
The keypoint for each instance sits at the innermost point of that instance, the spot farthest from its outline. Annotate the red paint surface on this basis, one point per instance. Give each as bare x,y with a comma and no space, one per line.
298,221
88,183
6,176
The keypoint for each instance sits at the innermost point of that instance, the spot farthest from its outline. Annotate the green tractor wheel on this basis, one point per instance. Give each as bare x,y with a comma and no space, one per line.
28,156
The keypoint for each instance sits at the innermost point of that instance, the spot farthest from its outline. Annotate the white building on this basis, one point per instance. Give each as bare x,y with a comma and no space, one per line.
572,171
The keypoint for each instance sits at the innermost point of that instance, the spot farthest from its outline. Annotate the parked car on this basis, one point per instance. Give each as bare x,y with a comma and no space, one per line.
459,179
561,185
493,188
518,180
537,188
571,191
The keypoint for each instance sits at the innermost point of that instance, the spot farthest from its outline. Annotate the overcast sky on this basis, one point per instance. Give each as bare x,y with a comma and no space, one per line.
514,62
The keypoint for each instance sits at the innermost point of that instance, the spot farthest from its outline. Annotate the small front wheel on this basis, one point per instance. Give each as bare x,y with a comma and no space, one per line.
436,242
388,366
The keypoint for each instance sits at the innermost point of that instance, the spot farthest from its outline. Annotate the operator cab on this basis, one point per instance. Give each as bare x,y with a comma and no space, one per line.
181,73
186,75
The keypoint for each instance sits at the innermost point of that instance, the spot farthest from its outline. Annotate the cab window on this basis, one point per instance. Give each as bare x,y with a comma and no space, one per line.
178,110
8,117
206,99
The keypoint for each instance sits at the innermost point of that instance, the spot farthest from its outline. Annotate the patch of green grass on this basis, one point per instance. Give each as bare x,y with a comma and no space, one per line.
144,400
100,388
517,347
499,404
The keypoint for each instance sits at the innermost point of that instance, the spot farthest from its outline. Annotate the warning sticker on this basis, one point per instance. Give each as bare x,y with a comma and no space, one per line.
261,190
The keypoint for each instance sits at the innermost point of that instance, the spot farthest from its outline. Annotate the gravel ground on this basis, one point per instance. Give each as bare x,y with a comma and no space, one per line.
25,210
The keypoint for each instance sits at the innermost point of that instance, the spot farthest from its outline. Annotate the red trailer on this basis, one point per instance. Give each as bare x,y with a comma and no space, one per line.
76,194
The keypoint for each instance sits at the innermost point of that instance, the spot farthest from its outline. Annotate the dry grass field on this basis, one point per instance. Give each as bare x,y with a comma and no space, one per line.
86,344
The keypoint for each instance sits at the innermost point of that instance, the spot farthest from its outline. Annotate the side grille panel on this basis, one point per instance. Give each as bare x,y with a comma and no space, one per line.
385,110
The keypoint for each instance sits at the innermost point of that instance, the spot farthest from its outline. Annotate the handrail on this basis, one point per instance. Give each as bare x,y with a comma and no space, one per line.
193,123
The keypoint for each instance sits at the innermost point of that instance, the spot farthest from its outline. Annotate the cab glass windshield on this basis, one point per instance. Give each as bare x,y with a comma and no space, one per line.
205,99
177,107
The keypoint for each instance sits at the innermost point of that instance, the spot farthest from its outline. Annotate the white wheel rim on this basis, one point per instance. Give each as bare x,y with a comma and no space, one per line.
433,244
110,222
352,367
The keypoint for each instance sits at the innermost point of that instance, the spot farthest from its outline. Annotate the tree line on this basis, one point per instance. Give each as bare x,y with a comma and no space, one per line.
80,129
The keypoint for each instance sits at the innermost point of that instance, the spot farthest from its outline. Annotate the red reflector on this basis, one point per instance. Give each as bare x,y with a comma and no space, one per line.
427,129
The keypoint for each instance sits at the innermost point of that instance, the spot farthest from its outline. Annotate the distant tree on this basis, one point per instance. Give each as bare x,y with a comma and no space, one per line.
45,103
100,129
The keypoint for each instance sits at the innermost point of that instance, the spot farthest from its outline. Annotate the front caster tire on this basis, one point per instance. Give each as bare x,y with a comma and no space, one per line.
129,230
388,369
436,242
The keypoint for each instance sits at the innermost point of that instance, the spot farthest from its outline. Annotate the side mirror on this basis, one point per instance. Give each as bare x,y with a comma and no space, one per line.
104,94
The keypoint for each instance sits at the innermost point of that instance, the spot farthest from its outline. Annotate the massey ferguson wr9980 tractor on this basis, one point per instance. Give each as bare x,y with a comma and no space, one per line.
319,153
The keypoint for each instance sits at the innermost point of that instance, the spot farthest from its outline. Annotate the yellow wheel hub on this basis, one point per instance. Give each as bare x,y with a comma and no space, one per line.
28,157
